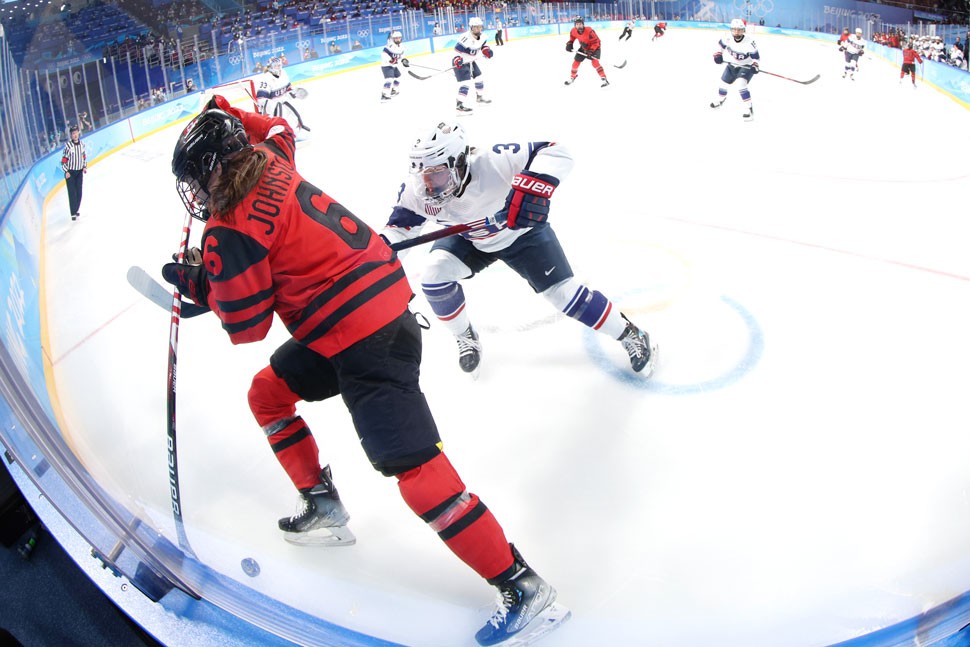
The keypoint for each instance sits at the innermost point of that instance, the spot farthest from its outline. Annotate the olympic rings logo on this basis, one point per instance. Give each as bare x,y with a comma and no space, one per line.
758,8
235,59
302,44
363,33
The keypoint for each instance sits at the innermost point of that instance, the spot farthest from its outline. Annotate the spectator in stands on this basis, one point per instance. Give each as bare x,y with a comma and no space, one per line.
84,122
189,85
334,47
357,45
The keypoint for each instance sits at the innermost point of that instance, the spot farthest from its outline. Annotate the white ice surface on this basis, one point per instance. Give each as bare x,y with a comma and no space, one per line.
795,472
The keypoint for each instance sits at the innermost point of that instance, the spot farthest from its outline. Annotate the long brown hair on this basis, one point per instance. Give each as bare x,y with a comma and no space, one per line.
240,173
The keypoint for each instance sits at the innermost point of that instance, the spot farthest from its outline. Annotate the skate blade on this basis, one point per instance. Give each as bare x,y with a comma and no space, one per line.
652,364
328,537
551,618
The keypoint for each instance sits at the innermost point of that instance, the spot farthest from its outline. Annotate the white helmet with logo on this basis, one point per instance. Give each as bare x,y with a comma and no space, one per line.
439,159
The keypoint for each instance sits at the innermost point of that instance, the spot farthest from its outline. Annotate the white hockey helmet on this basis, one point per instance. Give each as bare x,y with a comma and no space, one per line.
475,21
858,30
438,158
396,36
737,29
274,66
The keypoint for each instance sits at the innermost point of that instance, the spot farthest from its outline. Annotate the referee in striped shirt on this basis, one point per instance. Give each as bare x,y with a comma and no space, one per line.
74,162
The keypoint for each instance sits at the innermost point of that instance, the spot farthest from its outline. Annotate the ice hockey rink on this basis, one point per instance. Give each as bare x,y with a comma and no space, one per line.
794,473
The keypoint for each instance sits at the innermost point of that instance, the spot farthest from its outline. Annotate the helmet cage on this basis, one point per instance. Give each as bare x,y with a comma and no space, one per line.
439,161
207,141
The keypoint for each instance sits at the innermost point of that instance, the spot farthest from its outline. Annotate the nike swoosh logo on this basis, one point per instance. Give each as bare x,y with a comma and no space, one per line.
549,271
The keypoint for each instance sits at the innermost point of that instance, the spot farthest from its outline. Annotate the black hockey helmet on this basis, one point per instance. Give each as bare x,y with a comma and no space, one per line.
205,142
579,21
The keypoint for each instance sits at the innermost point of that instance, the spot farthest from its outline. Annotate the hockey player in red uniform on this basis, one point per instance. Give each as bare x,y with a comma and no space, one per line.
909,66
274,243
658,30
589,47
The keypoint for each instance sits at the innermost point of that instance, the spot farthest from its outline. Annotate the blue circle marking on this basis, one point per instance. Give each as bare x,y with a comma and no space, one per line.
751,357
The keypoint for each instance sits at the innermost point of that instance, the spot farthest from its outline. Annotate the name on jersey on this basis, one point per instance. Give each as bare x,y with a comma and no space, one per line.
270,195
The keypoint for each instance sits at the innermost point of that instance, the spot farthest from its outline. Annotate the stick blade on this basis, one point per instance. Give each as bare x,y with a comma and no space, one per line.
418,76
142,281
621,65
811,80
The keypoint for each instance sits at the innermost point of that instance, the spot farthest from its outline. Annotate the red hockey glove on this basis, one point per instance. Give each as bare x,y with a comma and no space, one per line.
527,204
487,51
458,61
718,58
190,280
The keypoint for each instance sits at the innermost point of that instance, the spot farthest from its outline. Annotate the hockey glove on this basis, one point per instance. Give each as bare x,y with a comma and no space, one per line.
527,204
487,51
458,61
754,66
718,58
405,62
569,46
190,280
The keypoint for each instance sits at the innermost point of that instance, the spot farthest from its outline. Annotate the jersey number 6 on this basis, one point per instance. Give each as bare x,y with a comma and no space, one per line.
336,218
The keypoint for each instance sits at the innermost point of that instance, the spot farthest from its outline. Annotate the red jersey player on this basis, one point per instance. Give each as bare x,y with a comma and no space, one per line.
658,30
589,47
909,66
274,243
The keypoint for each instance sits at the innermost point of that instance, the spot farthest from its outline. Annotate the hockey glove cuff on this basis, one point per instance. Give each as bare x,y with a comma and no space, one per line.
190,280
718,58
487,51
458,61
527,204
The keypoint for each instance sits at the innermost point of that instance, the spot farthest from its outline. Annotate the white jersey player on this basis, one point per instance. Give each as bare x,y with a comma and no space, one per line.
275,94
470,46
512,183
854,45
742,57
392,58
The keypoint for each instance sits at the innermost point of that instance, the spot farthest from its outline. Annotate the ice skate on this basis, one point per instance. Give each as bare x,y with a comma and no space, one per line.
481,99
525,609
604,83
74,216
462,109
469,351
320,510
643,355
717,104
748,114
394,92
385,98
570,80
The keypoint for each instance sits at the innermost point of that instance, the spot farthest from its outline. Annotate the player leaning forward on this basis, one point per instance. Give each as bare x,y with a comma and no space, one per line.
275,96
469,47
392,56
741,55
452,182
274,243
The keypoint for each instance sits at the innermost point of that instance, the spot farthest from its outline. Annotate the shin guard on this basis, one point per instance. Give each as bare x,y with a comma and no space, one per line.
435,492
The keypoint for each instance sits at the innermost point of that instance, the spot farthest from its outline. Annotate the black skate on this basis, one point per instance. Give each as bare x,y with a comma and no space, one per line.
469,351
643,355
748,114
385,98
394,92
570,80
319,509
525,608
717,104
462,109
604,83
481,99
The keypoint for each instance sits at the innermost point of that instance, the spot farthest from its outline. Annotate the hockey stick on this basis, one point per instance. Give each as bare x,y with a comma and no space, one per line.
173,339
428,76
619,67
444,233
423,67
160,296
811,80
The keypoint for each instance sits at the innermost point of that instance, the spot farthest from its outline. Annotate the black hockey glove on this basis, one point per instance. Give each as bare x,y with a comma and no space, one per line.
527,204
754,66
190,280
569,46
405,62
718,58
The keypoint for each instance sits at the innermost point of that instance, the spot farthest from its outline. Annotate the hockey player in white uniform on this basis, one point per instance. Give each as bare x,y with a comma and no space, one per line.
741,55
450,183
469,47
392,58
274,94
854,46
